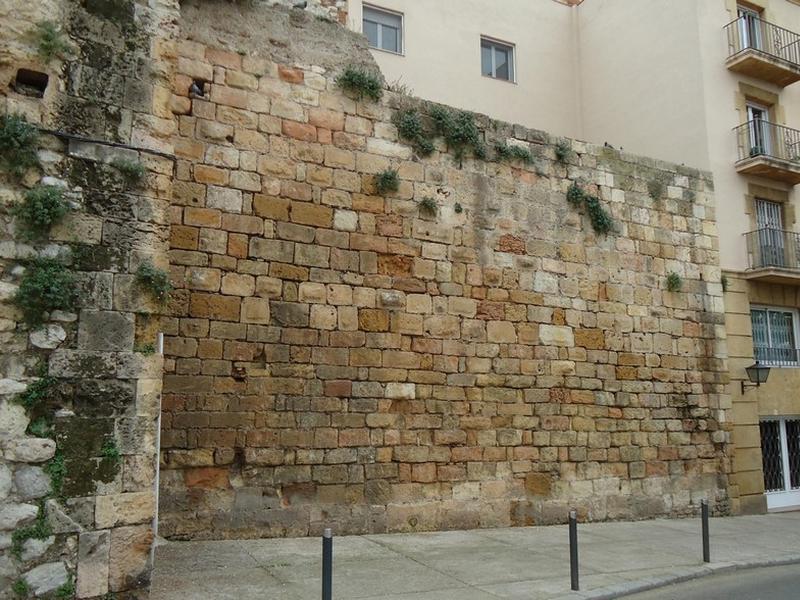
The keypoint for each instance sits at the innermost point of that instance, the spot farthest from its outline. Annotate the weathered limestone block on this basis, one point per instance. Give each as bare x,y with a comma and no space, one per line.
48,337
34,548
46,578
30,450
14,515
129,557
93,555
31,482
106,331
13,420
124,509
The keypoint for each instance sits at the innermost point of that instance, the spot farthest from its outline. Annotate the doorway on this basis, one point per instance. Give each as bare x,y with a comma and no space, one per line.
780,452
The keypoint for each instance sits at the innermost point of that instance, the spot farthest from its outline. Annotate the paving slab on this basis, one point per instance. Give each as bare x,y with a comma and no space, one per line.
530,562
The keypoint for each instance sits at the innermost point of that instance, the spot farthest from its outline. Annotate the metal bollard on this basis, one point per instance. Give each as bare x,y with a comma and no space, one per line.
327,565
573,549
706,544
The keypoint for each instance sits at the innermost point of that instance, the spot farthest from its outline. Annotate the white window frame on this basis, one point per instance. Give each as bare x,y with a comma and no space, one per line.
512,47
401,35
788,497
795,326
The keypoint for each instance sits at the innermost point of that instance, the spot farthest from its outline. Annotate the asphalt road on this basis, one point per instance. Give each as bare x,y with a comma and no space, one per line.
769,583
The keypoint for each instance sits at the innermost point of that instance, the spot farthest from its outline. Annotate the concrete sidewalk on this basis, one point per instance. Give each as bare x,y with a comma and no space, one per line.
529,563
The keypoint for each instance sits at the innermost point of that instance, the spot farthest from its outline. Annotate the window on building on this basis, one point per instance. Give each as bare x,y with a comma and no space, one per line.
497,60
774,335
383,28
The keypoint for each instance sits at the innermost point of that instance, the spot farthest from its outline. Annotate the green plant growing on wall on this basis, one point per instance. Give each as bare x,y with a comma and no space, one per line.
575,195
146,349
514,152
47,285
155,281
602,222
601,219
724,281
40,427
459,130
21,588
66,590
674,282
360,82
39,530
41,208
110,452
458,208
409,126
132,171
18,140
50,42
655,188
429,206
563,151
57,470
387,181
37,392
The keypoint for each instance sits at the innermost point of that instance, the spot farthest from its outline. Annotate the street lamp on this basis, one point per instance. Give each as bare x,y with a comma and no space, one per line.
757,374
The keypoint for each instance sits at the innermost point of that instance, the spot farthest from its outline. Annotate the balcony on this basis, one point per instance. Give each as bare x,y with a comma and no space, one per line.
777,357
768,150
762,50
773,256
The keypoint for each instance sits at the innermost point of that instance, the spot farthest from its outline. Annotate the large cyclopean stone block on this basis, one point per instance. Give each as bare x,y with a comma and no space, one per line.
106,331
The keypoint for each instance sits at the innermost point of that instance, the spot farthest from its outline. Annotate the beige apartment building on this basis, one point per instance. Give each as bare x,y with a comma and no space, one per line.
709,84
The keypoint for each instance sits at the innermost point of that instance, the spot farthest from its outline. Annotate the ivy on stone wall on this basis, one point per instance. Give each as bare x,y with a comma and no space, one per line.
361,83
387,181
513,152
132,171
410,127
459,130
601,219
155,281
50,41
46,285
41,208
18,143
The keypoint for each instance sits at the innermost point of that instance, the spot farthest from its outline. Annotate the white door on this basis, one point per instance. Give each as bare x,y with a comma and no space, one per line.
769,221
780,453
760,137
749,28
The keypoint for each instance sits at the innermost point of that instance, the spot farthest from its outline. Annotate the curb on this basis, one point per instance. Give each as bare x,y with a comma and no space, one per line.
635,587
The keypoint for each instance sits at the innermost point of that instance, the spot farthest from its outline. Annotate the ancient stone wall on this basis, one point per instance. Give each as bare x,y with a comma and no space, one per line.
80,393
463,352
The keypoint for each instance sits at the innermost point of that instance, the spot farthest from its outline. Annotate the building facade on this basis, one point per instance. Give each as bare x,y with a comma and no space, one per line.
705,83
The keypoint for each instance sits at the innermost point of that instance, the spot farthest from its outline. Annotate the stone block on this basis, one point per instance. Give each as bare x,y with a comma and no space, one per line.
255,310
92,576
106,331
554,335
30,450
46,578
129,557
124,509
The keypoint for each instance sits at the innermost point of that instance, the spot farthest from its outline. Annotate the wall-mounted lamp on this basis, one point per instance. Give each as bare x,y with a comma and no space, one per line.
757,374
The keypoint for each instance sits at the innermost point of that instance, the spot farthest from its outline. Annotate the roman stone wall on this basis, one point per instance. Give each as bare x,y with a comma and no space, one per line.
78,464
339,357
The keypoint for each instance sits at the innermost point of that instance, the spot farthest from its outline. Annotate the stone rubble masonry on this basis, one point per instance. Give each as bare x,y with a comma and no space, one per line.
113,86
334,357
339,358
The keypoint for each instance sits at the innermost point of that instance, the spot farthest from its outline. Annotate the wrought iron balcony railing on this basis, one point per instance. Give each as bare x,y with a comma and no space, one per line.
762,138
777,357
752,33
768,247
